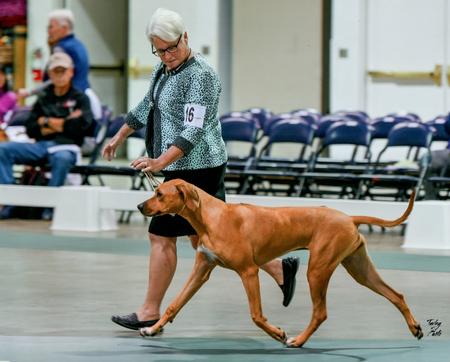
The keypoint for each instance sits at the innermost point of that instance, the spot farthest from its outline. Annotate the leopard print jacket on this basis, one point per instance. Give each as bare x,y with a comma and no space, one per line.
181,109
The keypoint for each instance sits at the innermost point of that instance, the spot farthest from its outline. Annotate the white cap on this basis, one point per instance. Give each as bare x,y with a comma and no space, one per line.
60,59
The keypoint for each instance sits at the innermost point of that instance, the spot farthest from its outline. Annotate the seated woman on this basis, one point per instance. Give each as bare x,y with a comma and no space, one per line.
8,99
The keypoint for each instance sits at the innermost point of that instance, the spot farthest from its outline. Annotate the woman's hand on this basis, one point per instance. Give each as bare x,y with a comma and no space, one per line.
147,164
109,151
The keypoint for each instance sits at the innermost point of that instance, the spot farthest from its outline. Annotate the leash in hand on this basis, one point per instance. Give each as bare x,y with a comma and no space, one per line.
152,180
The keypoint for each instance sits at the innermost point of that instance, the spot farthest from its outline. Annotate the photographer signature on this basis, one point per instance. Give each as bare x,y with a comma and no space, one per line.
435,327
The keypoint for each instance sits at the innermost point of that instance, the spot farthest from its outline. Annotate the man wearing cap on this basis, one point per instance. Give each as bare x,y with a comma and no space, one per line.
58,122
61,38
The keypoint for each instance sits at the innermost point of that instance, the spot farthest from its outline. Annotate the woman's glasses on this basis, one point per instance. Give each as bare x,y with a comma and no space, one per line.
171,49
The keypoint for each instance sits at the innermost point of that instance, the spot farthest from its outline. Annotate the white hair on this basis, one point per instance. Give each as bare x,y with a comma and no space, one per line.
64,17
165,24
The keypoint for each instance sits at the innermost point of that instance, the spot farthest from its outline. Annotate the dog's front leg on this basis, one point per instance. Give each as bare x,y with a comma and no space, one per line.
250,280
199,275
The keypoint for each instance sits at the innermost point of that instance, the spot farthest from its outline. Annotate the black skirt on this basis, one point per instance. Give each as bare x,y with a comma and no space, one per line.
210,180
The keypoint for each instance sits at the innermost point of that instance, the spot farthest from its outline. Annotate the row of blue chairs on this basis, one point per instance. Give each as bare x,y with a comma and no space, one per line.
311,172
261,121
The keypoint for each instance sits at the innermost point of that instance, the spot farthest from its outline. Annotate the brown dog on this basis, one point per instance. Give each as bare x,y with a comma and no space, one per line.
243,237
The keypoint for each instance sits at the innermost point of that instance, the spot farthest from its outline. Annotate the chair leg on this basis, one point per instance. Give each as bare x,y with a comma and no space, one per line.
121,217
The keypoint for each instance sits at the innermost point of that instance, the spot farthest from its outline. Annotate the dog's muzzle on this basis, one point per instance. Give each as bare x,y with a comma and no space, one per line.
146,212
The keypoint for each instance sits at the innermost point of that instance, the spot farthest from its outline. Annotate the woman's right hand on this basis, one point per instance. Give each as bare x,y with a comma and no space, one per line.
109,151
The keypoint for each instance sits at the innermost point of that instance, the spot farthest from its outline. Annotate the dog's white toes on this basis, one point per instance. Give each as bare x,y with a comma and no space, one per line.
146,332
290,342
150,331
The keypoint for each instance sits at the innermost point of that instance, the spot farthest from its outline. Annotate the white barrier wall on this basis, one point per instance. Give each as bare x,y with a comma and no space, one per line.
429,226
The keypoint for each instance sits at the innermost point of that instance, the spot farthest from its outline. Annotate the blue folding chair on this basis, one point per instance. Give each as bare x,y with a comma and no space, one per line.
274,119
383,125
243,130
407,115
438,127
290,130
339,175
308,118
273,174
240,136
325,123
307,113
19,116
238,114
405,172
261,114
358,116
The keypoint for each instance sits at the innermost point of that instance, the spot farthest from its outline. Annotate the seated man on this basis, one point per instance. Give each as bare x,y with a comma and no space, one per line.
58,122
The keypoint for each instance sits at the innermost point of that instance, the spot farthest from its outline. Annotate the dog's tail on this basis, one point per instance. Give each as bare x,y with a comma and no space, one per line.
358,220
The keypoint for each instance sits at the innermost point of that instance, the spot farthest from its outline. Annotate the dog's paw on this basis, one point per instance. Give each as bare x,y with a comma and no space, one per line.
419,333
280,336
291,343
150,331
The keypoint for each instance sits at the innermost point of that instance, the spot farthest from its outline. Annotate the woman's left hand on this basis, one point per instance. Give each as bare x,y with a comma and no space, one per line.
147,164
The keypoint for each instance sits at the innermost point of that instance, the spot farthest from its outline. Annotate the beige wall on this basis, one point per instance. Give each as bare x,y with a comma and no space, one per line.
105,39
100,25
277,54
274,59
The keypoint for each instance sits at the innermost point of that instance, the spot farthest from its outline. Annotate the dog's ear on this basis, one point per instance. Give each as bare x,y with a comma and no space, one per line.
189,196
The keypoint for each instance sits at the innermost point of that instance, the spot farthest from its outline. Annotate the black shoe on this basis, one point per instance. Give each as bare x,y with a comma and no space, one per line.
131,321
290,267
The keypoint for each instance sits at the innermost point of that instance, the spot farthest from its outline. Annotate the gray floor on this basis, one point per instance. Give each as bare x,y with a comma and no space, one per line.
58,291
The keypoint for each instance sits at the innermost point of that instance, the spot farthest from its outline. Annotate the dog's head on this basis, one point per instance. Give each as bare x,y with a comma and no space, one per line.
171,197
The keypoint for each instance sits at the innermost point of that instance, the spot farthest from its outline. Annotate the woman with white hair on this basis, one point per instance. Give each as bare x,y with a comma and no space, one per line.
183,140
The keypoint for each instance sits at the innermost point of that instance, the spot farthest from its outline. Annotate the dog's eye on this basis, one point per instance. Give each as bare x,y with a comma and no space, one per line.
158,194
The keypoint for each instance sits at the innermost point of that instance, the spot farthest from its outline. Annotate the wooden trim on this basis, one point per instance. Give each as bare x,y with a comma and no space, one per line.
19,46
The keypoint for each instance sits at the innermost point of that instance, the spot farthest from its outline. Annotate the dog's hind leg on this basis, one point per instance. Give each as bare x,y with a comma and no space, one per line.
250,280
322,264
361,268
199,275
